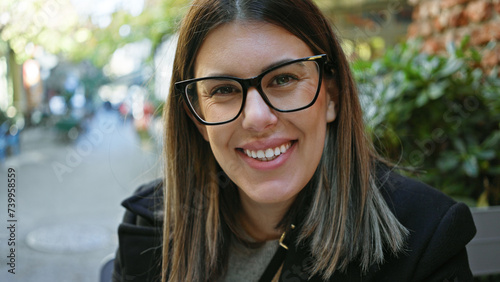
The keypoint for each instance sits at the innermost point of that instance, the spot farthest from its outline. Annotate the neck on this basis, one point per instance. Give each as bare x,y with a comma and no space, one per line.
260,220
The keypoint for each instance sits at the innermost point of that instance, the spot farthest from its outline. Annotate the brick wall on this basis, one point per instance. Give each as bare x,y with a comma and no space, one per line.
442,21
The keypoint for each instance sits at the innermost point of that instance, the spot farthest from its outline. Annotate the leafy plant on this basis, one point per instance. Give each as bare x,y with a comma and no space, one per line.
436,114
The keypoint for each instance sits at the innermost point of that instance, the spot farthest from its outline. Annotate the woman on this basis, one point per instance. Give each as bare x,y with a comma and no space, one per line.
269,173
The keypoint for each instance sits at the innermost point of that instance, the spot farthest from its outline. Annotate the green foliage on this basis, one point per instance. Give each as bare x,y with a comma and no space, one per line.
439,115
60,28
159,19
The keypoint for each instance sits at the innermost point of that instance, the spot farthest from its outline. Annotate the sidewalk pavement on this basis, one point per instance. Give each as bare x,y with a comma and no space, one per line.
67,198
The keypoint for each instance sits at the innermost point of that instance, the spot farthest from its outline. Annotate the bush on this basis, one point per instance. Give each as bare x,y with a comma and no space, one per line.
438,115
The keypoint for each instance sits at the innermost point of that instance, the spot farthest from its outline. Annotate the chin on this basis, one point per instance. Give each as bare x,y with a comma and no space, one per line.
274,195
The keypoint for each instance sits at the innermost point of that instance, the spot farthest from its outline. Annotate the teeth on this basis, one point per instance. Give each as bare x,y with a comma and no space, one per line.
260,154
268,154
283,148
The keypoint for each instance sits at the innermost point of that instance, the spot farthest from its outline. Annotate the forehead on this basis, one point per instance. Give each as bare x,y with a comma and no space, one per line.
245,49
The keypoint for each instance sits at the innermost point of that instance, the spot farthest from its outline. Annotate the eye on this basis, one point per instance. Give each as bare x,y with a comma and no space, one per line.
224,90
283,79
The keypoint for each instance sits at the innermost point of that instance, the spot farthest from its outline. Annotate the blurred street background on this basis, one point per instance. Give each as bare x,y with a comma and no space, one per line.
83,83
68,197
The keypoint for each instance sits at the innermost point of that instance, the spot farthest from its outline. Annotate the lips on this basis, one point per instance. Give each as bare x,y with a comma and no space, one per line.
268,154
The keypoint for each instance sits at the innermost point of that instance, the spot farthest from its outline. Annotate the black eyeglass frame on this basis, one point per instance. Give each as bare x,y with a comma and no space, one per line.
255,81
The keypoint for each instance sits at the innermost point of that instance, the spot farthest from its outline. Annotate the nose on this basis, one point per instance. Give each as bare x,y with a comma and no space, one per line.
257,115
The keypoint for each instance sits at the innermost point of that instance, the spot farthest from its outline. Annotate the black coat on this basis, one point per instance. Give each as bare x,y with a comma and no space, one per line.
439,230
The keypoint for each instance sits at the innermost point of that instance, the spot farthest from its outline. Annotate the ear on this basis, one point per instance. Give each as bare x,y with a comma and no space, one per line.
201,127
331,112
332,99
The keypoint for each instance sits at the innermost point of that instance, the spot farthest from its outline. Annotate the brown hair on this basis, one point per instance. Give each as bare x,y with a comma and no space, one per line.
345,217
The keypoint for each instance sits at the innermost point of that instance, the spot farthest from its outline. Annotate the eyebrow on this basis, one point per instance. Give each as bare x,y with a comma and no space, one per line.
277,64
272,65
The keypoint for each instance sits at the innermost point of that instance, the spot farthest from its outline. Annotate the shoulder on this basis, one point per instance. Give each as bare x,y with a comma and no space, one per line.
147,203
418,205
138,257
411,199
439,228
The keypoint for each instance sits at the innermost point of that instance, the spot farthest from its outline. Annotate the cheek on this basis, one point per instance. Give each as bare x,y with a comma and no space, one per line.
315,124
318,114
213,137
316,133
218,137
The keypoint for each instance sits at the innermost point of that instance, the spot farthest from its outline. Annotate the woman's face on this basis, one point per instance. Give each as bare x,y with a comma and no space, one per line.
246,49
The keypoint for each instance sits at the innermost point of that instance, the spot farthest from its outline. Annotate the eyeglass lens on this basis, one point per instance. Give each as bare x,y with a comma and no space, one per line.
287,88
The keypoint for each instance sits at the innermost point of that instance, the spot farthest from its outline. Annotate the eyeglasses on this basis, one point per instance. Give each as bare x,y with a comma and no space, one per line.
288,87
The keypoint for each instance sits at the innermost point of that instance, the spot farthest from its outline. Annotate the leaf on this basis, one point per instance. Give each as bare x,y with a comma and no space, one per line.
389,93
464,42
422,99
459,145
493,74
493,141
477,74
448,161
428,67
486,155
476,56
483,200
451,48
471,167
452,66
437,90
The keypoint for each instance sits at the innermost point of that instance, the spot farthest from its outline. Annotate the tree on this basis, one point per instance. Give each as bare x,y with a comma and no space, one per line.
60,28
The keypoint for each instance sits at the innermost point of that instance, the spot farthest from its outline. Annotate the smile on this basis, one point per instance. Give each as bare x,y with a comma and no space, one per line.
268,154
